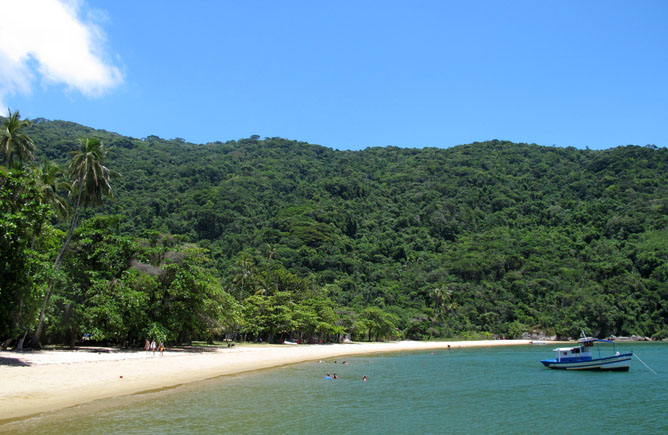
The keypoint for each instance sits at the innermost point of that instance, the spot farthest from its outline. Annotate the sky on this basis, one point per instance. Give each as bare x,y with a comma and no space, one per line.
347,74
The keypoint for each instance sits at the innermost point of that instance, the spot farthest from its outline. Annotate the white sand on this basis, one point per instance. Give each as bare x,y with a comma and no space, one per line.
34,382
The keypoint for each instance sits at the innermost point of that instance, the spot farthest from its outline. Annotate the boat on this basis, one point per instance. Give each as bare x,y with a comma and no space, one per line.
582,357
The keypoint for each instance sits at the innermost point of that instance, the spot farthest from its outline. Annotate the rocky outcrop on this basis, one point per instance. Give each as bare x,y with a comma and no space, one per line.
631,338
538,336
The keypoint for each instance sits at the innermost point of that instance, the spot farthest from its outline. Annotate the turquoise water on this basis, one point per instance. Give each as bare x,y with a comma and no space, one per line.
488,390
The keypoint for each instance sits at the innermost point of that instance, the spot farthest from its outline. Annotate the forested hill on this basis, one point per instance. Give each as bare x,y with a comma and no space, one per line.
490,237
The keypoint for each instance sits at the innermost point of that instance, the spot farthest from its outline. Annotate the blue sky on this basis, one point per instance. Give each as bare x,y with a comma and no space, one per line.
345,74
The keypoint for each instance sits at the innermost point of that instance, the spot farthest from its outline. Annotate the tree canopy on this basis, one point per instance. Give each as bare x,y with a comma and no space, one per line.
298,240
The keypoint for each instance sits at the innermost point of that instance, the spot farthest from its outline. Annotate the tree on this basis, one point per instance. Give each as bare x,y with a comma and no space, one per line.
378,322
20,267
50,183
90,182
14,142
50,179
192,301
443,304
244,269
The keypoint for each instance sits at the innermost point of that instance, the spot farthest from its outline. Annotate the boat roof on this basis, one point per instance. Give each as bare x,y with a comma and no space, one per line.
592,339
581,341
566,348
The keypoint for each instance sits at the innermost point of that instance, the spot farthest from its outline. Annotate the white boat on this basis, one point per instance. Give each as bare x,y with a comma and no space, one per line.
583,357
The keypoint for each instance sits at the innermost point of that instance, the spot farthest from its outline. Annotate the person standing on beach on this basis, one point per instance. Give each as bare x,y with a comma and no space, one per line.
146,345
161,348
153,346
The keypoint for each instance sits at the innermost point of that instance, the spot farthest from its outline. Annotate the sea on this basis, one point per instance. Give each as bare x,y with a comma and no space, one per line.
496,390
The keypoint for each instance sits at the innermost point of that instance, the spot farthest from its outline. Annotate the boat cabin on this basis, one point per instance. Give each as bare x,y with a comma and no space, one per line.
577,353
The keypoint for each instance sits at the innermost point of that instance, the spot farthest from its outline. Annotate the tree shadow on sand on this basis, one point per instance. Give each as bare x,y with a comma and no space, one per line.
18,361
13,362
196,349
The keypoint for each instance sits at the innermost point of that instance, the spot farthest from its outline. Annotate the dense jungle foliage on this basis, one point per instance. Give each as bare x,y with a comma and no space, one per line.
276,238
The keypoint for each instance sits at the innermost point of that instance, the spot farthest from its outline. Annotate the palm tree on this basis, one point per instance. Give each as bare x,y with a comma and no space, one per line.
50,182
13,141
90,182
244,271
443,301
439,295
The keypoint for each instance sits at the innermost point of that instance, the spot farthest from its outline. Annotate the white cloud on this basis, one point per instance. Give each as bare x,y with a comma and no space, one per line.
48,38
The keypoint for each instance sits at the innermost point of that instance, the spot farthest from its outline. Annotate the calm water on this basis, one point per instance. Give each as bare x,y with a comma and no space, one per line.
490,390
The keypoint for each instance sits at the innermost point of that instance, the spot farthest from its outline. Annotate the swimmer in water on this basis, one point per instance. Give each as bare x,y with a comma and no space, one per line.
328,376
364,378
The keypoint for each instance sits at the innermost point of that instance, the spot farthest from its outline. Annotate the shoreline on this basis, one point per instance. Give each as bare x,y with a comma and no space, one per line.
43,381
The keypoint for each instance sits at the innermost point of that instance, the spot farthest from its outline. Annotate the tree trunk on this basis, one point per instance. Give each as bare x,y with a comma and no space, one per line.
16,315
73,339
37,335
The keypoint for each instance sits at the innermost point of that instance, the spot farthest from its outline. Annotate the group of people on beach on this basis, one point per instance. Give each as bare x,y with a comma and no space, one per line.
152,347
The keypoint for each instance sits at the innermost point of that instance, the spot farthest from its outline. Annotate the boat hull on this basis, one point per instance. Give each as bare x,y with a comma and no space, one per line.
613,363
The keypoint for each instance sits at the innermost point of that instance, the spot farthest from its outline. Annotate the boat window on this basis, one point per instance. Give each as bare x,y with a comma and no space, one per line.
576,350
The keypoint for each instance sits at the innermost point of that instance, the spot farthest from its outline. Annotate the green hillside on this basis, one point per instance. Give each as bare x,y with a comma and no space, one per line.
487,238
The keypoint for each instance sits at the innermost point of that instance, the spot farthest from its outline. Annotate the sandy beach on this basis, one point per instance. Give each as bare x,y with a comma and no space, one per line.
40,381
